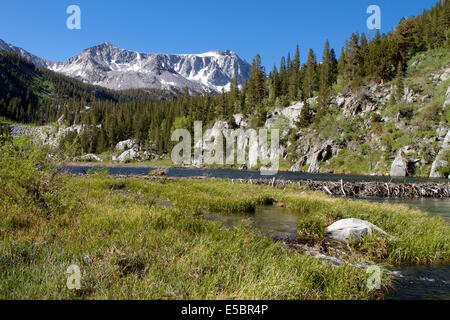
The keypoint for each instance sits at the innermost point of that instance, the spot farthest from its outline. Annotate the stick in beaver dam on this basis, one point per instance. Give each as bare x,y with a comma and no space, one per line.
349,189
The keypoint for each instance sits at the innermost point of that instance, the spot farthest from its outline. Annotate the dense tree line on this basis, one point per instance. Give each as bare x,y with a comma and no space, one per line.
30,95
37,95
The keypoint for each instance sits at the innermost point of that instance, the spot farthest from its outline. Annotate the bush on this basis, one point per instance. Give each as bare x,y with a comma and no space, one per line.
311,227
30,179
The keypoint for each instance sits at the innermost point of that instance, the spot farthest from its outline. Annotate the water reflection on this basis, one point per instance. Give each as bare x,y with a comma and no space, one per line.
243,174
270,220
439,207
411,282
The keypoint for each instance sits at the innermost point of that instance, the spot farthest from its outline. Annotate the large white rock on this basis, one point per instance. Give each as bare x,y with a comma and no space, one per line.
314,163
351,230
240,121
445,75
434,172
90,157
399,167
439,162
125,145
128,155
220,125
292,113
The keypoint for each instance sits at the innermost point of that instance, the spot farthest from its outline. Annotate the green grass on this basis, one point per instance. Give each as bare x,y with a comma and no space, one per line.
129,248
418,238
426,62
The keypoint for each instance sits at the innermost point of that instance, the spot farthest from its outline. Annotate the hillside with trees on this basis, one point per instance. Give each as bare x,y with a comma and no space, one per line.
387,68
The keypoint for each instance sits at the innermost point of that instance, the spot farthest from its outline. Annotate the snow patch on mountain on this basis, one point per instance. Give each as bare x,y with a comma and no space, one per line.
108,66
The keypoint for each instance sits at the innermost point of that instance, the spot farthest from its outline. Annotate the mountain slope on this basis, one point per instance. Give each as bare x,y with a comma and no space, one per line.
110,67
38,62
38,95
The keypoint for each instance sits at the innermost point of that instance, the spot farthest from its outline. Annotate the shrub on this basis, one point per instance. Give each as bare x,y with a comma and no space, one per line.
30,179
311,227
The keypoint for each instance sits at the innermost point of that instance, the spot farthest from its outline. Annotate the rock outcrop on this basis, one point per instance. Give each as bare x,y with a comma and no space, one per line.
399,167
441,161
90,157
129,150
351,230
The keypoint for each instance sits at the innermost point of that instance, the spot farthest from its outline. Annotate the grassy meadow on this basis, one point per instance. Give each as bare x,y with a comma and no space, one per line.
144,238
129,247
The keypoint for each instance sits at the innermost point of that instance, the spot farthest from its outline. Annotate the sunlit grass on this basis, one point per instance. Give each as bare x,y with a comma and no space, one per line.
130,248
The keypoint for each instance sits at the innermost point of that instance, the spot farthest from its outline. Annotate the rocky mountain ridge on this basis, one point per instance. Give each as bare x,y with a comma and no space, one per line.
113,68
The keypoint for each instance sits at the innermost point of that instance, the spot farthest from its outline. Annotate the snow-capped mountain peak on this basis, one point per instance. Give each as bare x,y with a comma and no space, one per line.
109,66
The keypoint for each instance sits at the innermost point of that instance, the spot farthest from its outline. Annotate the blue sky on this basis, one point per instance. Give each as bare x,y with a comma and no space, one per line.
270,28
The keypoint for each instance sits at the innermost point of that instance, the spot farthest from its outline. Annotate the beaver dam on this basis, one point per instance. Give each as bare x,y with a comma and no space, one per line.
364,189
343,189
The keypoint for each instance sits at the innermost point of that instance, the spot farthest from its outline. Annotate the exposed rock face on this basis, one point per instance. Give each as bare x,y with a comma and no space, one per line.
90,157
399,167
125,145
314,151
447,99
351,230
443,75
108,66
300,163
409,95
17,131
46,135
314,163
434,173
292,113
240,120
128,155
254,152
440,161
130,151
30,57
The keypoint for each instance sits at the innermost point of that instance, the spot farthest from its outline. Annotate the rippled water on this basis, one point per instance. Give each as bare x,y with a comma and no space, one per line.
421,283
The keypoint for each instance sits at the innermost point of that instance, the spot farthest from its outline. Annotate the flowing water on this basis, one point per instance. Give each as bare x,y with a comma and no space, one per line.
411,282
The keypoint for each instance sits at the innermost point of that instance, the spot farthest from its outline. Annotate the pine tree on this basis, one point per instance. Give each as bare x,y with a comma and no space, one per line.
256,88
404,36
324,84
364,49
294,75
275,85
399,84
283,78
305,115
354,62
310,82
